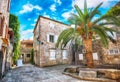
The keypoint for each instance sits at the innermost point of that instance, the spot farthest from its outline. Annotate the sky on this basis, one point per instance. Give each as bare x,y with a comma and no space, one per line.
28,11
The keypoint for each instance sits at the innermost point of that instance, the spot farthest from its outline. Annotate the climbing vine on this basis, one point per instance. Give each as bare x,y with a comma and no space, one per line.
15,25
32,56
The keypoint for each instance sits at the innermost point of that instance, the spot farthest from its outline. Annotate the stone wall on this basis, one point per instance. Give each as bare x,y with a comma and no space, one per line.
4,23
25,49
49,27
112,58
103,54
96,48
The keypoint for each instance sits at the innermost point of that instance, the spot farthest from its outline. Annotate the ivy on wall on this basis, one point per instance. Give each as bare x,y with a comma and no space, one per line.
15,25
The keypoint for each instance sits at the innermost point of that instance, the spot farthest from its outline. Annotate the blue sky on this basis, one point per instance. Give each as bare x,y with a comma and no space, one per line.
29,10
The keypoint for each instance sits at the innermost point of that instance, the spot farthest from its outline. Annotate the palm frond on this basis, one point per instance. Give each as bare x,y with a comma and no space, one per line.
107,17
79,11
102,34
85,7
111,39
95,11
63,36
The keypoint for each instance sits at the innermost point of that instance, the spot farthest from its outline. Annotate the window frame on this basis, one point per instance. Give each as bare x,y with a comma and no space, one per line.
51,38
113,51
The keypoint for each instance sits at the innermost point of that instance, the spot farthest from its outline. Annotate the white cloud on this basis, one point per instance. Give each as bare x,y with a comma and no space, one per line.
66,15
22,27
35,20
26,37
26,32
58,1
28,8
45,15
53,7
33,24
29,19
91,3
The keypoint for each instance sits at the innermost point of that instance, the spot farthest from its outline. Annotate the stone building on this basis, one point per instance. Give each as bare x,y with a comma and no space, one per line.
25,50
46,33
5,35
102,55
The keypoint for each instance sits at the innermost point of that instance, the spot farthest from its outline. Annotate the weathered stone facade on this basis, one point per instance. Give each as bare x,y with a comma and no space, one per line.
5,44
96,48
110,55
25,50
46,33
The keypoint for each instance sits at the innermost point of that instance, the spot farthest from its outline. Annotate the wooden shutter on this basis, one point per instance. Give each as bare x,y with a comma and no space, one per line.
6,32
47,37
2,26
56,37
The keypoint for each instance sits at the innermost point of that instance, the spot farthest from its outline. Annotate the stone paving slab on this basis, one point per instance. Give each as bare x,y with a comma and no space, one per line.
30,73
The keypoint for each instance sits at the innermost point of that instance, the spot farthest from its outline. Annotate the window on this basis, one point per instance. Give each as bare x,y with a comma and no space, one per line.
52,54
64,54
113,51
28,55
95,56
81,57
51,38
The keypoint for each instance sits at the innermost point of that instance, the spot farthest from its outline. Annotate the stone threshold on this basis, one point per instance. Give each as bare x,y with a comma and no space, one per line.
89,79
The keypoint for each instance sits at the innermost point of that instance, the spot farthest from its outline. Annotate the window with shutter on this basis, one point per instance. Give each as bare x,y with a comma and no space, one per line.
113,51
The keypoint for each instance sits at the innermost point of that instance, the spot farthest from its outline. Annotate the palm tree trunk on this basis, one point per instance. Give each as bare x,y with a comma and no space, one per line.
89,57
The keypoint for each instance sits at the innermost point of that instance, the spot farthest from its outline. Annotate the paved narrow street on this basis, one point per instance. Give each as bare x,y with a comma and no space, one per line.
30,73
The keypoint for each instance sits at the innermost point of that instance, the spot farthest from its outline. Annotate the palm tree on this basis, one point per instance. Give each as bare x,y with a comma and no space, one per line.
86,28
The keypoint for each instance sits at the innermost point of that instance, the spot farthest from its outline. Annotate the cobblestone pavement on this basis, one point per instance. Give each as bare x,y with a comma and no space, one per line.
30,73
